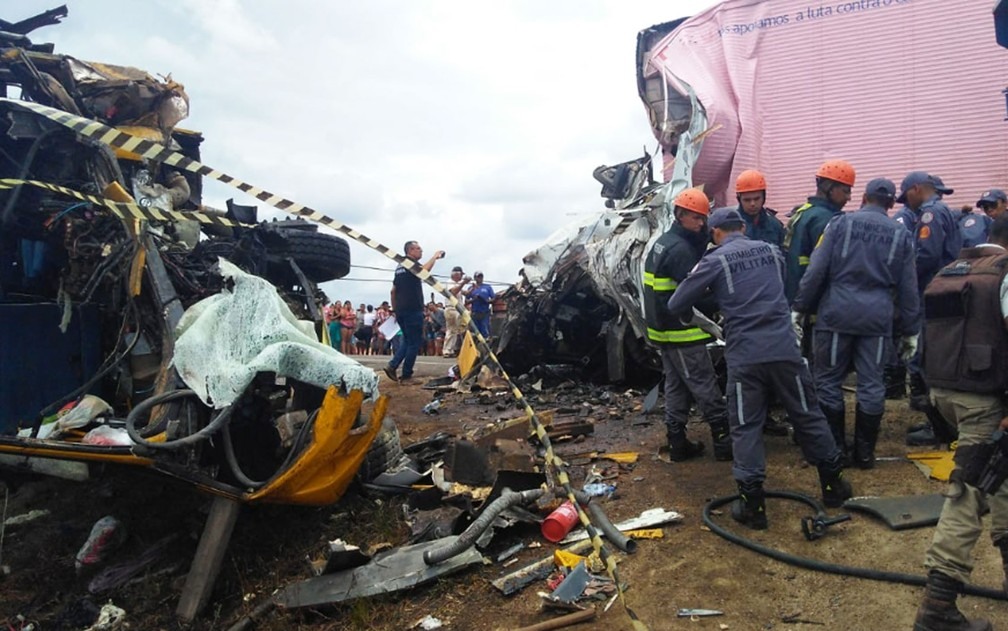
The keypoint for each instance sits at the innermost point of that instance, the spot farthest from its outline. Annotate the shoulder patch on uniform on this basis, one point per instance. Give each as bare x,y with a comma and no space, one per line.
900,220
924,233
969,222
659,247
927,217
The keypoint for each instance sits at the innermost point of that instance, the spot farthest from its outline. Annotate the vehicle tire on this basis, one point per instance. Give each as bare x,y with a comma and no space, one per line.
384,454
320,256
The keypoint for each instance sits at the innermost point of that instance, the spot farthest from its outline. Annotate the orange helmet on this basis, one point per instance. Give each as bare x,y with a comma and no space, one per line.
750,181
693,199
838,171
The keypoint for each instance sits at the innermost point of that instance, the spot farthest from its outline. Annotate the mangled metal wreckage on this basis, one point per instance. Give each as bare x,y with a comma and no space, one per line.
580,304
186,346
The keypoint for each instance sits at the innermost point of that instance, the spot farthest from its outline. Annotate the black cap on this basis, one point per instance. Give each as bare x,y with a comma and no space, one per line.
722,216
911,180
457,268
881,187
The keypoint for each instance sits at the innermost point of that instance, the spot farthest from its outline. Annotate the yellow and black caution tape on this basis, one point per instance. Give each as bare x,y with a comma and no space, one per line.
124,210
157,152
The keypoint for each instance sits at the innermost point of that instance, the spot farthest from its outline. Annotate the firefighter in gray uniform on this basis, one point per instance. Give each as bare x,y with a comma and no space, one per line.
686,365
746,278
965,360
863,261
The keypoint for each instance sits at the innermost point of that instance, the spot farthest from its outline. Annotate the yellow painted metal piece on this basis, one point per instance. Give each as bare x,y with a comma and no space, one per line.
937,464
626,457
147,133
117,193
467,356
569,560
646,533
321,474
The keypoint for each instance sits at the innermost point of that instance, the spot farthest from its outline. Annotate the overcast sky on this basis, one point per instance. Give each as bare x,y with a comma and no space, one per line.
470,126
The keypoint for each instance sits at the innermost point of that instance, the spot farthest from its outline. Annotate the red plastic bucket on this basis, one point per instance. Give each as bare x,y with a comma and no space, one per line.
558,523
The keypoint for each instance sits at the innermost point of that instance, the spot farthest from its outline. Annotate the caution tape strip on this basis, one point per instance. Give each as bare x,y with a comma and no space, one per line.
154,151
125,210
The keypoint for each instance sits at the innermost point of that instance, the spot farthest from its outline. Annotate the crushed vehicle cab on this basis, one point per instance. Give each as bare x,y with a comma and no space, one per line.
135,337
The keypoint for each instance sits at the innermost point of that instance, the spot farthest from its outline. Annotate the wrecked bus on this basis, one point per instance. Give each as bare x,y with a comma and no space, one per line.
136,323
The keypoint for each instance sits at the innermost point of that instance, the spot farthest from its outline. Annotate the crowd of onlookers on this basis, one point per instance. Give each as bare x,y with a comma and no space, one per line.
359,331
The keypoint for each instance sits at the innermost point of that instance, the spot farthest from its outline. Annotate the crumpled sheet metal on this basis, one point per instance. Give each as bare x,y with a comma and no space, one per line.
615,262
226,339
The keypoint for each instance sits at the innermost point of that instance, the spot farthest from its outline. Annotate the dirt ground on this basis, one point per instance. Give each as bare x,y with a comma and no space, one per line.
690,567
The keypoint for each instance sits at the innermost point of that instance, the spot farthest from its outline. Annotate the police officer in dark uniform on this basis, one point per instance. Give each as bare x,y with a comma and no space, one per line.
895,370
834,180
973,227
863,260
966,365
686,365
761,222
746,278
993,203
938,242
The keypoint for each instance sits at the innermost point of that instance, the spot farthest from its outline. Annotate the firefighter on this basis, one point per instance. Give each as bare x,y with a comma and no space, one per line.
686,365
938,242
965,359
761,222
863,260
834,180
746,278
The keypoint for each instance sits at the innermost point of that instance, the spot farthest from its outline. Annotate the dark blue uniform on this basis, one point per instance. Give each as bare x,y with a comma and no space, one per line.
765,226
906,218
973,227
863,260
938,240
938,244
746,278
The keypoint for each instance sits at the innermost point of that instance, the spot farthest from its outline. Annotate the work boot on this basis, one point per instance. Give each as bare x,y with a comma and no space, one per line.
750,508
936,431
835,489
938,611
866,429
837,419
918,392
895,382
721,441
681,448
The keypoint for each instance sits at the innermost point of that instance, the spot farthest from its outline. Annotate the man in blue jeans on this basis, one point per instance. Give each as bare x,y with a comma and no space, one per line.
408,305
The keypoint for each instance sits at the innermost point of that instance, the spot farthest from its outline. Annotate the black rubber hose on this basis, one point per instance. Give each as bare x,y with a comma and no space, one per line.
507,499
232,460
599,518
131,419
823,566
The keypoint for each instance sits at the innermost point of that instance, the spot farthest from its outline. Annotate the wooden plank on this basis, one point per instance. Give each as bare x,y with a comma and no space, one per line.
209,556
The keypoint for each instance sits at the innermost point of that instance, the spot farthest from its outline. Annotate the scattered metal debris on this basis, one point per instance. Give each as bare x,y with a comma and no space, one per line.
388,572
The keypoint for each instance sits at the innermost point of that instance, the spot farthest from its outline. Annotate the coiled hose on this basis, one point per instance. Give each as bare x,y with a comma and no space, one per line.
215,424
823,566
509,498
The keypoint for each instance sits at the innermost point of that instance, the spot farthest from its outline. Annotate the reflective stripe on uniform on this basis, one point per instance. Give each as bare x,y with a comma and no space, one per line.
679,336
659,283
738,403
803,260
